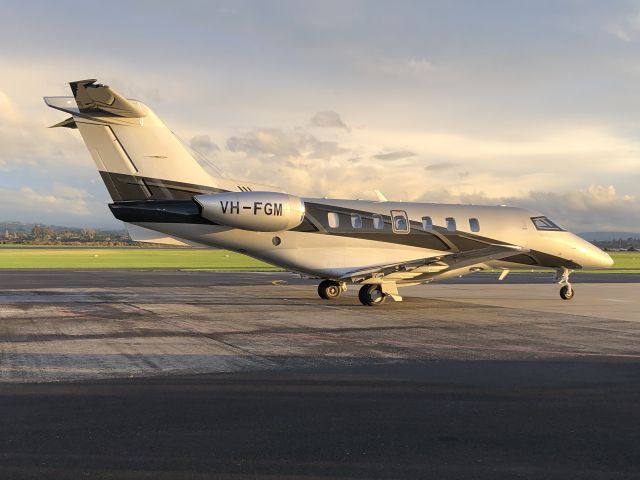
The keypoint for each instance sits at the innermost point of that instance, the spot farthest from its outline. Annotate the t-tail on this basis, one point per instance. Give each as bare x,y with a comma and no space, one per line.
138,157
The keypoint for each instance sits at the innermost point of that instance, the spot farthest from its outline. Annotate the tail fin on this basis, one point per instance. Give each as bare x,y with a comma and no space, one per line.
138,157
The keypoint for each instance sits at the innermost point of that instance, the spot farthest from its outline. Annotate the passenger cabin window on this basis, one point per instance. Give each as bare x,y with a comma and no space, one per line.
545,224
333,219
451,224
474,225
356,220
427,224
378,222
399,221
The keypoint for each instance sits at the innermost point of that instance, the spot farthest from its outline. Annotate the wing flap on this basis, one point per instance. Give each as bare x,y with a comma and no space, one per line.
433,266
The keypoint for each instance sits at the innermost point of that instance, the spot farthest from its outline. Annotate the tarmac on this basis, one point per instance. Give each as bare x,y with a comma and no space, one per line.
169,374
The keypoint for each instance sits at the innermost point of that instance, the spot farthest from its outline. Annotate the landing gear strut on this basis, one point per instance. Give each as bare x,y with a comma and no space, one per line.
330,289
371,295
562,277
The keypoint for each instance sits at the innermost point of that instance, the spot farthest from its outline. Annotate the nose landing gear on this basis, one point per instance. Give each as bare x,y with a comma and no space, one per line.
330,289
562,277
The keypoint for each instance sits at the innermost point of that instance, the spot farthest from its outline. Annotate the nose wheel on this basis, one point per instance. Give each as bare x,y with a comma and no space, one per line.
566,291
330,289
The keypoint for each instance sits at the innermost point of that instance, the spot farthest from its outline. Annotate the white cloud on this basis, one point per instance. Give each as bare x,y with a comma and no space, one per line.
625,28
268,141
597,207
60,204
421,65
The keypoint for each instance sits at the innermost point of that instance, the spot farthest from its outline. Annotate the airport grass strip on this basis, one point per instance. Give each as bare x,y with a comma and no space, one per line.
196,259
188,259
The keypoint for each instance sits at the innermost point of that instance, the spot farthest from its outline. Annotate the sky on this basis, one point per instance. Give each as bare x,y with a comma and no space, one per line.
526,103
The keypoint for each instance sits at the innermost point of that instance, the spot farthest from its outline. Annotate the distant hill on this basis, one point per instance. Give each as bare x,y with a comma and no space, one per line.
607,236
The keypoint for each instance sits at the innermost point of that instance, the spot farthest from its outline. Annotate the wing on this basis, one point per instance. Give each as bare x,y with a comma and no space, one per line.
427,268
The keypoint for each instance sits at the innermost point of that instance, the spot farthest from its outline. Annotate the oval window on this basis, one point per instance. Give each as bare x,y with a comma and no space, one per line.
427,224
356,220
378,222
333,219
451,224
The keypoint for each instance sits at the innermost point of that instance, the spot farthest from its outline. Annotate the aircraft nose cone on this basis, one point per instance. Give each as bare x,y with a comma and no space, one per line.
599,259
606,259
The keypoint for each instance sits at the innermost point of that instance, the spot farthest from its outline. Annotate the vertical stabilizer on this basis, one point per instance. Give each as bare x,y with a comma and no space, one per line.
138,157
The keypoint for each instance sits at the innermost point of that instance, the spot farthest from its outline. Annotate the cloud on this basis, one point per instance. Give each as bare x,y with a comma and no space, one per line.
26,141
326,149
9,113
328,119
59,204
625,28
440,166
268,141
597,207
288,158
286,144
421,65
203,144
394,155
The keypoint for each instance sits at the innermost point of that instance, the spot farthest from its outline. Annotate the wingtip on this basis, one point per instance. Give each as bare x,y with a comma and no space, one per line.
380,196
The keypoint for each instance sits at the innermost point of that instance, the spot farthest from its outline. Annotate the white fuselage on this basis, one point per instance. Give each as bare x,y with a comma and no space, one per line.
332,254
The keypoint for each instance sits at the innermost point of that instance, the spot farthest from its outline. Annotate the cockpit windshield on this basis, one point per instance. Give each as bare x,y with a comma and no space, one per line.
544,223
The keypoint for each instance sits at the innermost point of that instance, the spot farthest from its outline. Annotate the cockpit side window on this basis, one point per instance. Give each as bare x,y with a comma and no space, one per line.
545,224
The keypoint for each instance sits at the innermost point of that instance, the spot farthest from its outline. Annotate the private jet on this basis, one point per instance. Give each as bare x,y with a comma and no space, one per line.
165,195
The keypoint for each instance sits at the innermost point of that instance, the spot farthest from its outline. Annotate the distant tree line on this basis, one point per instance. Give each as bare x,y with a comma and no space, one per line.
49,235
630,243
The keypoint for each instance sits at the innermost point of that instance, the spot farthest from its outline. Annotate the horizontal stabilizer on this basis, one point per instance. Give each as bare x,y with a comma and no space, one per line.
96,99
67,123
145,235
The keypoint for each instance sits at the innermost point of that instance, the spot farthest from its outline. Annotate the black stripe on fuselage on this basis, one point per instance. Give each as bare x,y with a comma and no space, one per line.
123,187
438,238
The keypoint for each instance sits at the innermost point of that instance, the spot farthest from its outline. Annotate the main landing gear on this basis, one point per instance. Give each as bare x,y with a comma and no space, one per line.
371,295
562,277
330,289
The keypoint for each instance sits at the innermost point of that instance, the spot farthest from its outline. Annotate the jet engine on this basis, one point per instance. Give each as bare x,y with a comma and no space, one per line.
256,211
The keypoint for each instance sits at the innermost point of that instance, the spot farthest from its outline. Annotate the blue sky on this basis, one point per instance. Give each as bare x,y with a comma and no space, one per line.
526,103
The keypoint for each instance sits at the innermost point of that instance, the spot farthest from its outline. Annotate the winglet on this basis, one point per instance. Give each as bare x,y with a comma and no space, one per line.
381,197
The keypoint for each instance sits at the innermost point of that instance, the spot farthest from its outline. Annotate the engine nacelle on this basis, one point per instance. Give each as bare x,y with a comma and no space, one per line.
256,211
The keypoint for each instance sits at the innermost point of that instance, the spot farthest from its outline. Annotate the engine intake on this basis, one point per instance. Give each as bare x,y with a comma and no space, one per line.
255,211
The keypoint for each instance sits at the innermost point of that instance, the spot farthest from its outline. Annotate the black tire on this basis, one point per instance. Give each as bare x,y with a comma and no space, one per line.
329,289
371,295
567,293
